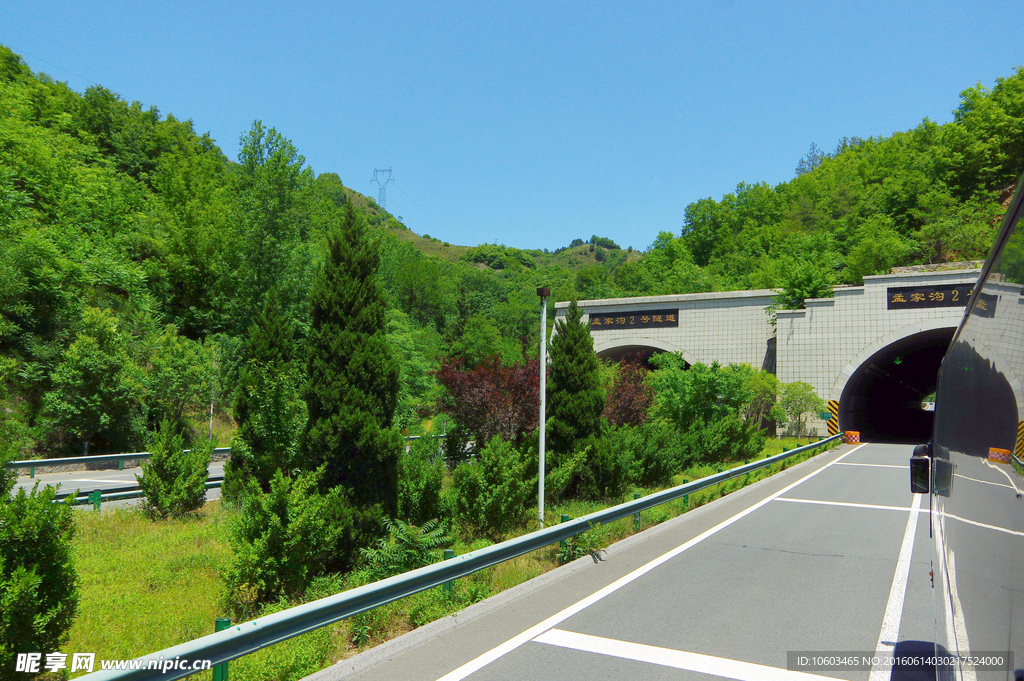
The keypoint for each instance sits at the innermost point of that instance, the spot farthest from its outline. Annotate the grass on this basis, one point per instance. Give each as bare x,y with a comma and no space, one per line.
146,585
149,585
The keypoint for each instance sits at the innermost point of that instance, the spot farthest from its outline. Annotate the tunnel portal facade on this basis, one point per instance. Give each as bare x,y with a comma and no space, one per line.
872,351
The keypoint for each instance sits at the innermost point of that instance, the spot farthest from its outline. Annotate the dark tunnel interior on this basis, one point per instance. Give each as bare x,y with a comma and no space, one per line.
883,398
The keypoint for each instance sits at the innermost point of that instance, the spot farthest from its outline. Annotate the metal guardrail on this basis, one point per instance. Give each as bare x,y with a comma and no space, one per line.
99,458
118,493
242,639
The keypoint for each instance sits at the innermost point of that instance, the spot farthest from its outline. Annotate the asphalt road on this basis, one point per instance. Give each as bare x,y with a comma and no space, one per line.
87,481
830,556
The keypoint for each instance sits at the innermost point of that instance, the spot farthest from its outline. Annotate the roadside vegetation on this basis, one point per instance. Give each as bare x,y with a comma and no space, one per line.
132,572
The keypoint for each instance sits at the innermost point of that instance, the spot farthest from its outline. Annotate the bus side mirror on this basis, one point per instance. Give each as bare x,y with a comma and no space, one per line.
920,470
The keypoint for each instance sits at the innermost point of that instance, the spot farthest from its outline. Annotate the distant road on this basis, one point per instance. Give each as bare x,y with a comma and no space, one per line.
831,555
87,481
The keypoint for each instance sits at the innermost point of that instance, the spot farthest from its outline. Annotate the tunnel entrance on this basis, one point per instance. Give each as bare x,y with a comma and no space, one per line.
883,399
617,354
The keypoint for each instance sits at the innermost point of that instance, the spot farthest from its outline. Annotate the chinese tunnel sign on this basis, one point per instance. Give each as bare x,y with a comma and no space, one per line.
950,295
646,319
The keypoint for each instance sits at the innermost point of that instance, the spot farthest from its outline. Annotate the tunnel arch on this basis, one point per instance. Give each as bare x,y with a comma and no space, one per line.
615,350
881,390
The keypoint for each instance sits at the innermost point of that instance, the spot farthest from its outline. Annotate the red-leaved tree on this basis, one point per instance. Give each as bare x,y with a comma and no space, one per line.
490,399
631,395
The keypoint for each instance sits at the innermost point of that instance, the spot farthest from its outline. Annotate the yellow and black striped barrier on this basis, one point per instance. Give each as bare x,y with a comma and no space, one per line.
833,423
1019,447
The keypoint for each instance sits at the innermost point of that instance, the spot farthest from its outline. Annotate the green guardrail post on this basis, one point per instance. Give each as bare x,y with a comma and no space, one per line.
94,499
448,555
120,464
31,471
561,544
785,448
636,516
220,672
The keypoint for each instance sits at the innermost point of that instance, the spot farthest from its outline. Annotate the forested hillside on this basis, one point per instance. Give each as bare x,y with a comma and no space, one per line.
138,254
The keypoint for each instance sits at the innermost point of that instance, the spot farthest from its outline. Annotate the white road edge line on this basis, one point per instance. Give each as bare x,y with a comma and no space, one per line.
508,646
894,608
846,503
677,659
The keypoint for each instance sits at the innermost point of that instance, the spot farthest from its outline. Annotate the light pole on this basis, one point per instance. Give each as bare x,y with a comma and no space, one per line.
543,292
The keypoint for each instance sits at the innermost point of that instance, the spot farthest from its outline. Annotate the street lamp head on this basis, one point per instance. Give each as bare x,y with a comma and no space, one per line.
543,292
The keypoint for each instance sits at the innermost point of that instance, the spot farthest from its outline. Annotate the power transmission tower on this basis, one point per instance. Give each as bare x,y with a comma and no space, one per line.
382,193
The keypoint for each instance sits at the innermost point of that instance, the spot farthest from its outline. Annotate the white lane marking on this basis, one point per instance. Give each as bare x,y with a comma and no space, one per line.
678,659
985,525
846,503
508,646
107,481
894,608
986,482
875,465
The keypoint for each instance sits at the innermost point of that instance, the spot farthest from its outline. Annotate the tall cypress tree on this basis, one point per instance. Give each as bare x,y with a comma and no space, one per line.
575,398
352,387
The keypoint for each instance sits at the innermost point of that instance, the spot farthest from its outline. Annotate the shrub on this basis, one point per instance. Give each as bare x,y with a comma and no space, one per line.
577,546
661,454
493,494
406,547
285,537
727,437
174,480
38,585
572,476
421,473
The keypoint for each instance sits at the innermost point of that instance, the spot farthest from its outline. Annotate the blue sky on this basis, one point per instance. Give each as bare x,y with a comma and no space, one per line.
531,124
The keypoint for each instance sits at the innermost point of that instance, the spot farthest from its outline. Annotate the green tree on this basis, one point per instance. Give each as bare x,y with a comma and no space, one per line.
353,373
690,395
764,395
38,584
271,181
803,280
179,379
269,439
174,480
96,388
575,398
796,400
878,248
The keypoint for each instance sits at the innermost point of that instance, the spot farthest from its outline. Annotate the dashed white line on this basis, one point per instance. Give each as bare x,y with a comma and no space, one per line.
848,503
876,465
677,659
